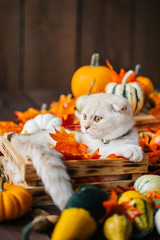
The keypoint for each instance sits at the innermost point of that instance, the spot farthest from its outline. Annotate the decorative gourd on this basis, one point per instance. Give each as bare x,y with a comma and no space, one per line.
144,223
80,102
41,122
117,227
81,215
15,201
147,183
83,77
157,220
131,91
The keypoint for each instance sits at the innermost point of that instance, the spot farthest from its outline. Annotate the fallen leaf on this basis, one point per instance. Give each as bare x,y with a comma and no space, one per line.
64,107
10,127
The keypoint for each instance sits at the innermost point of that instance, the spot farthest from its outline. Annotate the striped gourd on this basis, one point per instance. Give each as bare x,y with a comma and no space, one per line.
157,220
144,223
147,183
117,227
131,91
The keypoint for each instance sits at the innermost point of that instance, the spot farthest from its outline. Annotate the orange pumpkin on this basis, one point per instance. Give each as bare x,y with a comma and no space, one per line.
146,85
84,76
155,141
15,201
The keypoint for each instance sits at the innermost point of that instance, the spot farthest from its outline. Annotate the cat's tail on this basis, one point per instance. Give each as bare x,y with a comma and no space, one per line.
49,166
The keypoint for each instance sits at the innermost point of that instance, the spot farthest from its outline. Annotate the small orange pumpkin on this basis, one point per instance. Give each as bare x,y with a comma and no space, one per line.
84,76
146,85
15,201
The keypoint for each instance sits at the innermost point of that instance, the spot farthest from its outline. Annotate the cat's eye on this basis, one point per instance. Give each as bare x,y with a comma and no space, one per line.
97,118
84,116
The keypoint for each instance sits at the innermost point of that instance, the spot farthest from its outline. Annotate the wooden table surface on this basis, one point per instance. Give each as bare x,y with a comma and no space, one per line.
9,102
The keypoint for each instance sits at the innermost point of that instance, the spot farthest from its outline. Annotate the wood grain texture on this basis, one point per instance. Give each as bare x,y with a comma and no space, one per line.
147,37
49,43
11,101
106,29
9,44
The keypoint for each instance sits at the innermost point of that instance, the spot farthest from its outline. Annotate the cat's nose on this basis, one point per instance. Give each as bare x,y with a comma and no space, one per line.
86,127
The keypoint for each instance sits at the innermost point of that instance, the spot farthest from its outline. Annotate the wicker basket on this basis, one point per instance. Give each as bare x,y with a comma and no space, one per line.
103,173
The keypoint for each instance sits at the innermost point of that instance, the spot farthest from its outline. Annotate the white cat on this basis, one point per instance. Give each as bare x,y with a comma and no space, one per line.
106,123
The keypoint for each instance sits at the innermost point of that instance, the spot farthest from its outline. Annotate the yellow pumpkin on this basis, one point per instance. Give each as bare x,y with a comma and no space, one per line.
84,76
15,201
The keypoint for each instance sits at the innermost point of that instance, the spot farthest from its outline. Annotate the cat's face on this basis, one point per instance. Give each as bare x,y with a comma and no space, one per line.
106,115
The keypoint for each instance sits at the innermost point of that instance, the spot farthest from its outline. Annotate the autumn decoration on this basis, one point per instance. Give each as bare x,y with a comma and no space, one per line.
84,76
15,200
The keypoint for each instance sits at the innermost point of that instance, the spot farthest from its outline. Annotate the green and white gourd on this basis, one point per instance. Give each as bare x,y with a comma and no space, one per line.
42,122
147,183
157,220
131,91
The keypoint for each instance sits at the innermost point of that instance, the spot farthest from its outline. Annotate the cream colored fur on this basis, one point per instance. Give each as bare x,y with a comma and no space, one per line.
116,120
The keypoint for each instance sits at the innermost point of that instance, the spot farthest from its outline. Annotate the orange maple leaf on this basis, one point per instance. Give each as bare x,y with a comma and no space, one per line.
66,143
10,127
144,141
126,208
117,77
69,147
27,115
64,107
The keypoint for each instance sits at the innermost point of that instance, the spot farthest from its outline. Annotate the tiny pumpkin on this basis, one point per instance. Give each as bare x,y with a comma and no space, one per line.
15,201
131,91
83,77
117,227
147,183
41,122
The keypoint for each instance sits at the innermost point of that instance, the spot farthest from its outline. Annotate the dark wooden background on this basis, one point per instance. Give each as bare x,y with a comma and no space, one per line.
42,42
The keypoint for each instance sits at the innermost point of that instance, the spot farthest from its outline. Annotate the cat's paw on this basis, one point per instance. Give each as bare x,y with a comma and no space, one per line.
133,153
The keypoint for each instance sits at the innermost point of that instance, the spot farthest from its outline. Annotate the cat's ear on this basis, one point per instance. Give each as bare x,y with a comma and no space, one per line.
119,106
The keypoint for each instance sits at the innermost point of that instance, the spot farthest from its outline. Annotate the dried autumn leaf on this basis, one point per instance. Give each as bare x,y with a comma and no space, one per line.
66,143
69,147
9,127
118,77
64,107
144,140
27,115
125,208
153,156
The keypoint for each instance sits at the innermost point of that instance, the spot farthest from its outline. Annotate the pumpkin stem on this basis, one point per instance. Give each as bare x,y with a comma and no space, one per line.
1,183
94,60
90,89
137,69
126,76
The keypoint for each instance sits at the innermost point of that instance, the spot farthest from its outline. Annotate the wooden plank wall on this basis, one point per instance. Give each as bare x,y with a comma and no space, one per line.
42,42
